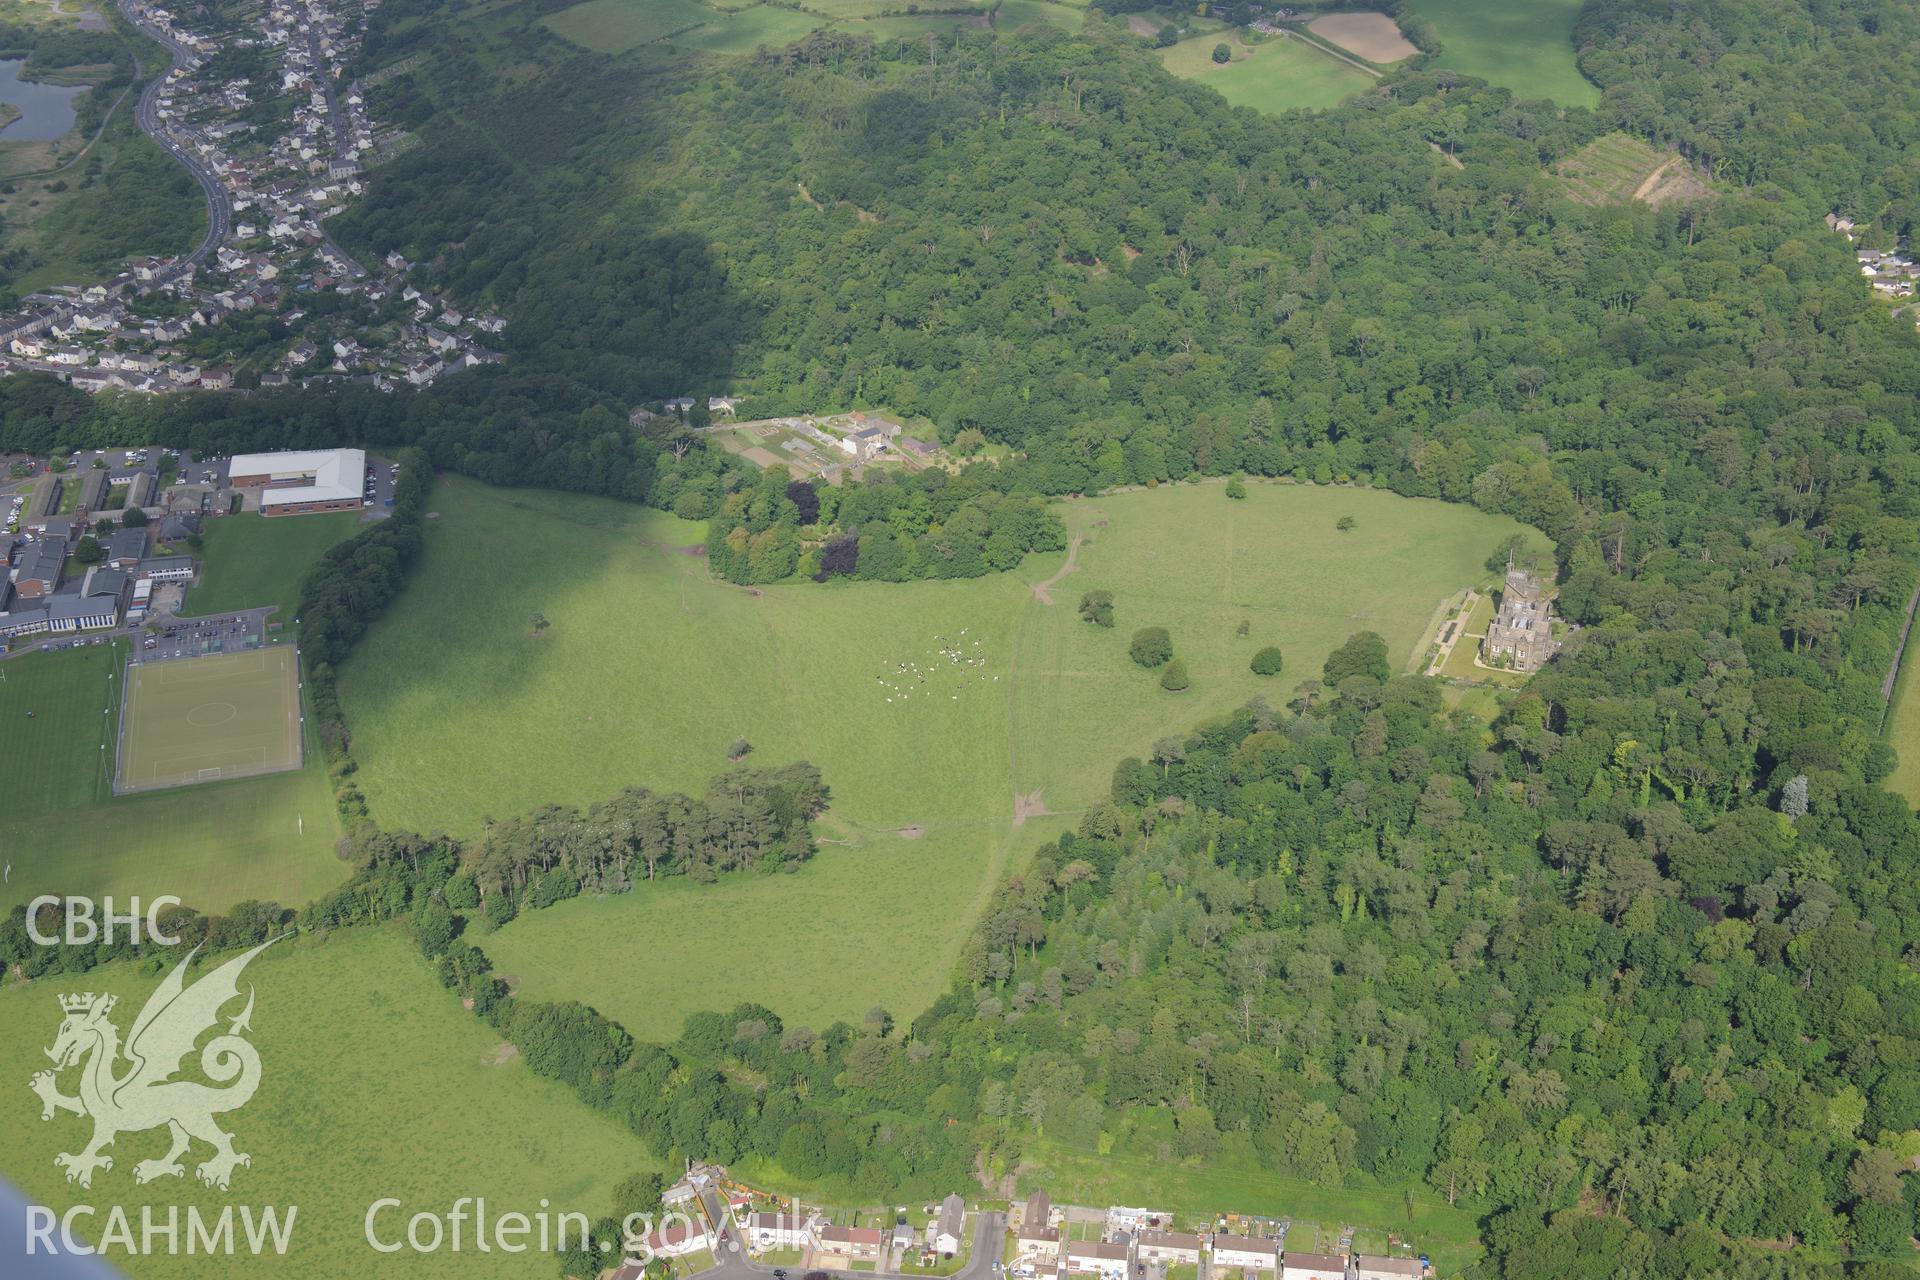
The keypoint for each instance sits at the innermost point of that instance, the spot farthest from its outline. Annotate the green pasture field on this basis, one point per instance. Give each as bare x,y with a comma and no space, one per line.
249,561
227,715
615,26
374,1083
63,830
650,669
748,30
1014,14
1278,74
1526,47
910,26
875,8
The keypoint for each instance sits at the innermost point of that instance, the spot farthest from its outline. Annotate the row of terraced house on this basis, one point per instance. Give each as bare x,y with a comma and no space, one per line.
1135,1239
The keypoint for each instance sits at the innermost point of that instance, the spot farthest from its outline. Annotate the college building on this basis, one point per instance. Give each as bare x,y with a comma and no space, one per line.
298,483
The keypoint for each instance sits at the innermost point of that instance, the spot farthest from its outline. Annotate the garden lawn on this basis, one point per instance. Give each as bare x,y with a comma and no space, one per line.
1524,46
250,561
1461,664
63,831
1277,74
649,669
374,1083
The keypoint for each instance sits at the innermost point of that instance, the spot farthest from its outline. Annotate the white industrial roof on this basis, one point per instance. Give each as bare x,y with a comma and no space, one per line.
337,474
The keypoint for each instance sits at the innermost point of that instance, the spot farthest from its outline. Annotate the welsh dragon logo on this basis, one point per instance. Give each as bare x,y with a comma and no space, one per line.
145,1094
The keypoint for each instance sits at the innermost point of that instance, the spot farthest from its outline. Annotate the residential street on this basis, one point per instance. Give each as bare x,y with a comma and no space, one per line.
989,1229
266,247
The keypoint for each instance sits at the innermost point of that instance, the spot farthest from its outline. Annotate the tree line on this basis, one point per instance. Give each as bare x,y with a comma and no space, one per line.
891,527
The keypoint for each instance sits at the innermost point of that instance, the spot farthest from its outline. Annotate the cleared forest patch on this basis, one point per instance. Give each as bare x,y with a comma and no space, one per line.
1617,168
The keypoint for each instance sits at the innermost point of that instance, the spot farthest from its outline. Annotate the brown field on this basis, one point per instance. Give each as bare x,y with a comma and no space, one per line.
1373,36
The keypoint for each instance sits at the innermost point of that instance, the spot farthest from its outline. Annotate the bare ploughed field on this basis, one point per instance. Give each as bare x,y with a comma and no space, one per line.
1372,36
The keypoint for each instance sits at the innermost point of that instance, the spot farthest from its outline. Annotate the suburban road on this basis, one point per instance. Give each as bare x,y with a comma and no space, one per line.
336,121
147,116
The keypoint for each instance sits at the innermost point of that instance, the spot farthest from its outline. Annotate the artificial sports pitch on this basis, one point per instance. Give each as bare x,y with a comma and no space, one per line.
229,715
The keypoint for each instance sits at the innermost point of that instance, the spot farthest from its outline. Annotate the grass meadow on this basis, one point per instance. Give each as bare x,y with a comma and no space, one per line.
906,26
1278,74
747,30
615,26
374,1083
249,561
1014,14
875,8
1526,47
63,831
650,669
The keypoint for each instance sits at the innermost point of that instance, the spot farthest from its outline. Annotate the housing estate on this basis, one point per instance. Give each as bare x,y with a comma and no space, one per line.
1244,1253
1171,1247
1036,1238
859,1243
776,1231
1315,1266
944,1236
680,1239
1106,1258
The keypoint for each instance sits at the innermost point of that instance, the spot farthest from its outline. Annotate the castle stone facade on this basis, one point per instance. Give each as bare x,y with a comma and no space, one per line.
1521,632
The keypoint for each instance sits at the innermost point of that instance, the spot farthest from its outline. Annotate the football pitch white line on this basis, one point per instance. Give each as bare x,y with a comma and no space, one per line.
270,675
